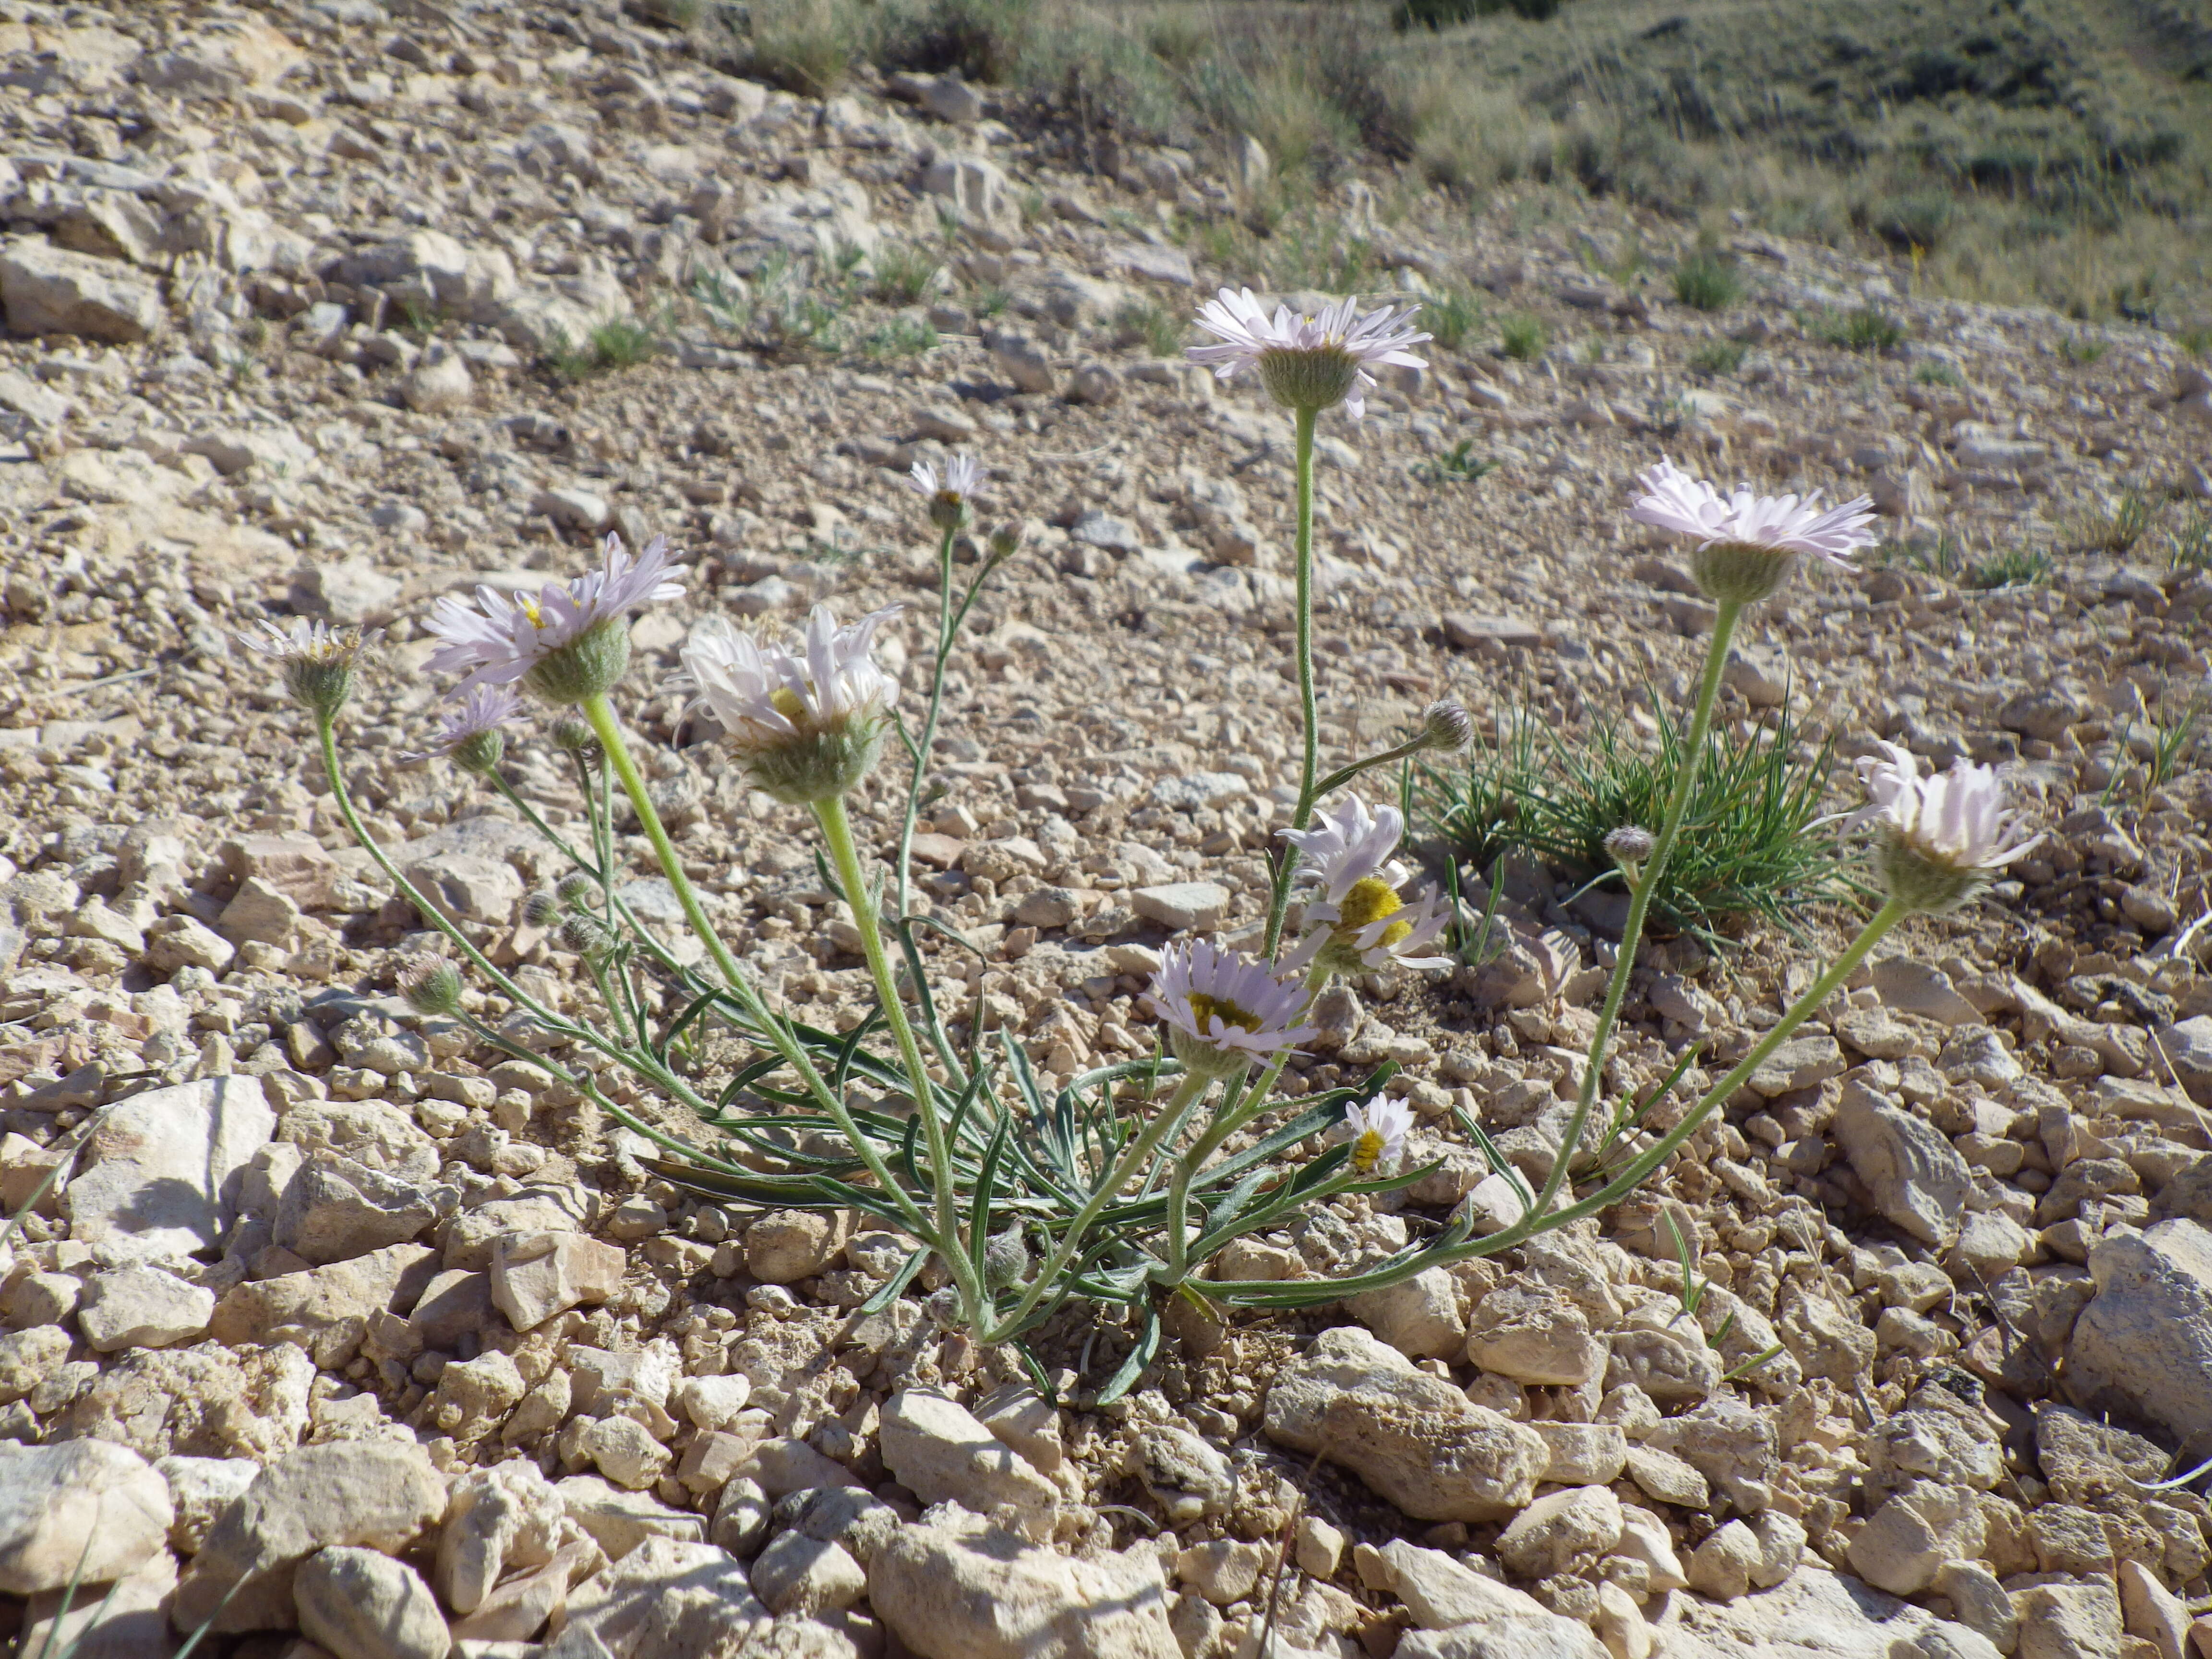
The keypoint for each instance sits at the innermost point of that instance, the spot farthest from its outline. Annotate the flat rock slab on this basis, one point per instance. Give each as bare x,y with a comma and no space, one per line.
165,1169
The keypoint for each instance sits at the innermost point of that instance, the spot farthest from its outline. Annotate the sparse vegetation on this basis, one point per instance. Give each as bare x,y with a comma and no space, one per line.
902,274
2118,525
900,338
1522,338
2081,348
616,343
1718,357
1450,317
2019,567
2190,546
1706,281
1162,331
1938,374
1458,464
1747,848
1866,329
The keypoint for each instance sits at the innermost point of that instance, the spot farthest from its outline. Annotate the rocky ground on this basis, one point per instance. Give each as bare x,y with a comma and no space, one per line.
346,1327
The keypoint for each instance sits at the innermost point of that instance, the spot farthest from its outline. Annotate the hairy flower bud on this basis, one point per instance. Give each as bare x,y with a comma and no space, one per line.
541,910
432,986
1630,844
575,889
575,738
1446,724
1007,537
585,933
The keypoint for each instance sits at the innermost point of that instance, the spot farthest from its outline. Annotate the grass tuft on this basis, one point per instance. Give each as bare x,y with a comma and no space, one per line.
2190,547
2019,567
900,338
1458,464
1706,281
1749,847
2118,527
1718,357
616,343
1522,338
1450,317
1866,329
1161,330
901,274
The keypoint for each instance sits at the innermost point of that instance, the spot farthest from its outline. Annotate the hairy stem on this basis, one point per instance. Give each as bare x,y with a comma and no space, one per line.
837,831
601,715
945,624
1309,765
1639,903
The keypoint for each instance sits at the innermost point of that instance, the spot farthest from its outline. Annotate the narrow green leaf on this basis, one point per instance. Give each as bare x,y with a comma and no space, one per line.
1146,1350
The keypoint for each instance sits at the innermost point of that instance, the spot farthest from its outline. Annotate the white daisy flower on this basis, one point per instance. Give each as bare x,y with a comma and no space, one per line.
566,643
964,477
1748,545
316,660
1378,1132
1306,363
1224,1009
1359,920
808,718
469,736
1943,838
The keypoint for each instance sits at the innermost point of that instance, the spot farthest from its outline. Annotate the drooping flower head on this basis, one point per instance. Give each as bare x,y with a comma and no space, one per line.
1224,1009
808,718
1748,545
951,499
316,660
469,736
1377,1130
1357,920
1942,838
1306,363
566,644
432,987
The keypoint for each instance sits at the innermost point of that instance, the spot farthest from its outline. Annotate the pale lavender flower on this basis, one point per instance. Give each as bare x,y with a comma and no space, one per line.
1675,501
1359,919
807,717
1223,1009
1943,837
501,638
316,659
1307,362
963,477
483,710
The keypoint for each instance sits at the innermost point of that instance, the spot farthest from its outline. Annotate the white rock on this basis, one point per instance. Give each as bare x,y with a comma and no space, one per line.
1422,1317
941,1454
164,1169
497,1519
142,1307
2143,1345
1182,904
50,290
954,1586
1818,1615
360,1604
537,1275
1913,1173
666,1597
79,1504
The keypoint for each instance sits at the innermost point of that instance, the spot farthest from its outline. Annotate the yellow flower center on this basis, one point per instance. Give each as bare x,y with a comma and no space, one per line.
1203,1008
788,703
1367,1150
1370,900
529,608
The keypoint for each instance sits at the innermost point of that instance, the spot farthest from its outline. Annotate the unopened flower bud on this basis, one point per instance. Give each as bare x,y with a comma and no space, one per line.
432,986
1006,1258
585,933
480,752
541,910
575,889
1446,724
1006,538
575,738
1630,844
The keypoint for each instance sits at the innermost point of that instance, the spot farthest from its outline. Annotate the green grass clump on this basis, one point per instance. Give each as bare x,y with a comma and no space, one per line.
1522,338
1450,317
902,274
2118,527
1706,281
1160,330
616,343
1748,847
2019,567
2081,349
1939,374
900,338
1718,357
2191,548
1866,329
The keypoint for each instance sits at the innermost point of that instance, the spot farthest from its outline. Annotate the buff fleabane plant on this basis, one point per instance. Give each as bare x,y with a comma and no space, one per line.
1117,1187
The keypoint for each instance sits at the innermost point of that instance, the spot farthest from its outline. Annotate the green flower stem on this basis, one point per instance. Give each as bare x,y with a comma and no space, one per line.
1639,903
946,623
1237,1110
1138,1153
1345,774
601,716
1279,901
1639,1169
837,831
326,737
